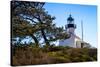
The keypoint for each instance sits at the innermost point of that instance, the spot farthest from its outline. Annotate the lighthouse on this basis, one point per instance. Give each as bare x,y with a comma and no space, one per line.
70,29
74,40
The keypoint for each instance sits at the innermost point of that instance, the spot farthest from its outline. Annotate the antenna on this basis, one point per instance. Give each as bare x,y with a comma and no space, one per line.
70,12
82,29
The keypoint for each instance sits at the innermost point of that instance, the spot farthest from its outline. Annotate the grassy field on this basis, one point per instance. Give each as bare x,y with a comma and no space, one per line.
30,55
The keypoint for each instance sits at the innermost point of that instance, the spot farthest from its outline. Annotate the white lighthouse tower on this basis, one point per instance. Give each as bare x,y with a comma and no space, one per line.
70,28
73,41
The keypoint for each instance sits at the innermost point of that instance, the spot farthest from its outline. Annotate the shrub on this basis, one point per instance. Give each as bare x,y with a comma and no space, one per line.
26,55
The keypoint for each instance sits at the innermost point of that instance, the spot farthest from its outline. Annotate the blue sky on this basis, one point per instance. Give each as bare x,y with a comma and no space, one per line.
85,13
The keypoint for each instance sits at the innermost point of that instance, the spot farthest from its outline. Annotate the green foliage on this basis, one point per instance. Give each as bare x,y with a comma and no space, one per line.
31,19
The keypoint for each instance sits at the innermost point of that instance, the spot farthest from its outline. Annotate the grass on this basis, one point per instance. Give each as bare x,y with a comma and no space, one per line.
30,55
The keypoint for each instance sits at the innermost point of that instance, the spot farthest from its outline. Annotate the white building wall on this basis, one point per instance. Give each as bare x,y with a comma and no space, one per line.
78,44
70,30
68,42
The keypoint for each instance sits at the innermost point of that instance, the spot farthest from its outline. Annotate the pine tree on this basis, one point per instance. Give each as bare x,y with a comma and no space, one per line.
31,19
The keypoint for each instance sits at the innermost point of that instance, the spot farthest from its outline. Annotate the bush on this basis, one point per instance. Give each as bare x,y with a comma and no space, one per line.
26,55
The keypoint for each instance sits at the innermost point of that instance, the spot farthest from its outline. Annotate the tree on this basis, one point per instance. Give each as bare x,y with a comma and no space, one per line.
31,19
21,27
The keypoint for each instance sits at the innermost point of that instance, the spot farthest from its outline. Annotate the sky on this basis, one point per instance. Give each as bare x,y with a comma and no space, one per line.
85,13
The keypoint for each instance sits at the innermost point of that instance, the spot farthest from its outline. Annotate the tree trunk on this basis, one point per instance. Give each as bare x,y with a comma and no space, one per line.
44,36
35,39
43,33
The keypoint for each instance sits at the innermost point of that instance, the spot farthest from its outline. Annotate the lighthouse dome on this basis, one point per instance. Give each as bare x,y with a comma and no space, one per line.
70,18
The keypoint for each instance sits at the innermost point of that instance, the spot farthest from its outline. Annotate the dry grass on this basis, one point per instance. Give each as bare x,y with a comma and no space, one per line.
34,55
